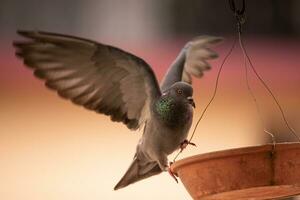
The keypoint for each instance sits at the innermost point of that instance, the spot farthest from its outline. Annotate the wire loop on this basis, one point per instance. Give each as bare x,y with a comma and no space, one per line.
238,13
235,10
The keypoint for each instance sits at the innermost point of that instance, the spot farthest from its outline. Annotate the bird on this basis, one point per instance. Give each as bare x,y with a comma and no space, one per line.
116,83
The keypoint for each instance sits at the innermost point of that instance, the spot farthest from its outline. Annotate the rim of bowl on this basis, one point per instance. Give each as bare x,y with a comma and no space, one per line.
233,152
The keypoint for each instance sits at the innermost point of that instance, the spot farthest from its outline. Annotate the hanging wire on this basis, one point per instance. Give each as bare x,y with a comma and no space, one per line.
261,119
240,17
267,88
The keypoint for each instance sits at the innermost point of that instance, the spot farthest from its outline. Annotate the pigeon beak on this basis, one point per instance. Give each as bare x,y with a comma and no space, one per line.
191,101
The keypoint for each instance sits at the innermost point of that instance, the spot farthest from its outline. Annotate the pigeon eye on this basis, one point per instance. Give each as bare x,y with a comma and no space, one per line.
179,91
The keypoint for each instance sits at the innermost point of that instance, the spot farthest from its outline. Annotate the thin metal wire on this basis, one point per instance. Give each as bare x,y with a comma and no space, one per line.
211,99
267,88
261,119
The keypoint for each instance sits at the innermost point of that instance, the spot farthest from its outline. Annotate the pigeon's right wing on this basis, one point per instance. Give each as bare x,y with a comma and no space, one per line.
192,61
99,77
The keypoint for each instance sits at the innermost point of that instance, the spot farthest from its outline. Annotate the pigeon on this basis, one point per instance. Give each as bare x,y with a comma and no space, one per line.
111,81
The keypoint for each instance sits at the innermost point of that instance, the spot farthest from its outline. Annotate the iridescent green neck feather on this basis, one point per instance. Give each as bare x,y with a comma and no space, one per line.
164,107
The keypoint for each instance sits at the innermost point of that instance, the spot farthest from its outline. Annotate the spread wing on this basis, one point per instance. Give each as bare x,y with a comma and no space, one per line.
99,77
192,61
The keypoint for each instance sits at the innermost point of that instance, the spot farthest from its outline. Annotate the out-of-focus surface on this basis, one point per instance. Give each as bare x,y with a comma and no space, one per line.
51,149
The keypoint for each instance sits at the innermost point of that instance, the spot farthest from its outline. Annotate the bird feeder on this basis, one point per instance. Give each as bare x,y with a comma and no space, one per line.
258,172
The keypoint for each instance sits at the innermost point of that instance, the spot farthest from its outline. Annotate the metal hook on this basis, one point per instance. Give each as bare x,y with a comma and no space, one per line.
235,10
239,13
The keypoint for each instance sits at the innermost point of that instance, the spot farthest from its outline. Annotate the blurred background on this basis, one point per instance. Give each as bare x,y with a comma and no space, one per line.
51,149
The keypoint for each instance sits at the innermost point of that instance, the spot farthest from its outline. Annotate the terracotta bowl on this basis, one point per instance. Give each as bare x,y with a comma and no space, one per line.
259,172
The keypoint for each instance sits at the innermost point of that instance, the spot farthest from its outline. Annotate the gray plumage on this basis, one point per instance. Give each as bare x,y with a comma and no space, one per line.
111,81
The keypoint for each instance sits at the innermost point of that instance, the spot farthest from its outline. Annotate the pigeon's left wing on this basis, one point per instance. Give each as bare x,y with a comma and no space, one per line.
99,77
192,61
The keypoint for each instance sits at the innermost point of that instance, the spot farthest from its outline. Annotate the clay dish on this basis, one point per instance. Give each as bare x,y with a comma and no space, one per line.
258,172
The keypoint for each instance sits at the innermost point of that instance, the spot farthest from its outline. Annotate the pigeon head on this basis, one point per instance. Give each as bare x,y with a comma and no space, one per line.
182,91
174,104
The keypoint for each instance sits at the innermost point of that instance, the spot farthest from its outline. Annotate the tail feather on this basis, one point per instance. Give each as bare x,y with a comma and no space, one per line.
137,172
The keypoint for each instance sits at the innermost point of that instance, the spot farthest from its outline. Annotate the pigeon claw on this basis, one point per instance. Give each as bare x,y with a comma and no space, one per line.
185,143
172,174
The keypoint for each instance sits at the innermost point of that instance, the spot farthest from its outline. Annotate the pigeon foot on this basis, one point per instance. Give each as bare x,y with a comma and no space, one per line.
172,174
185,143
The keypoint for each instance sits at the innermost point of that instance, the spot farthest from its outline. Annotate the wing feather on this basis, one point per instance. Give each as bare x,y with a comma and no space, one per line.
197,54
192,61
99,77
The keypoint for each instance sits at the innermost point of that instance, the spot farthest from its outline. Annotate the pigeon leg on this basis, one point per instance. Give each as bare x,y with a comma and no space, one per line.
163,164
174,175
185,143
